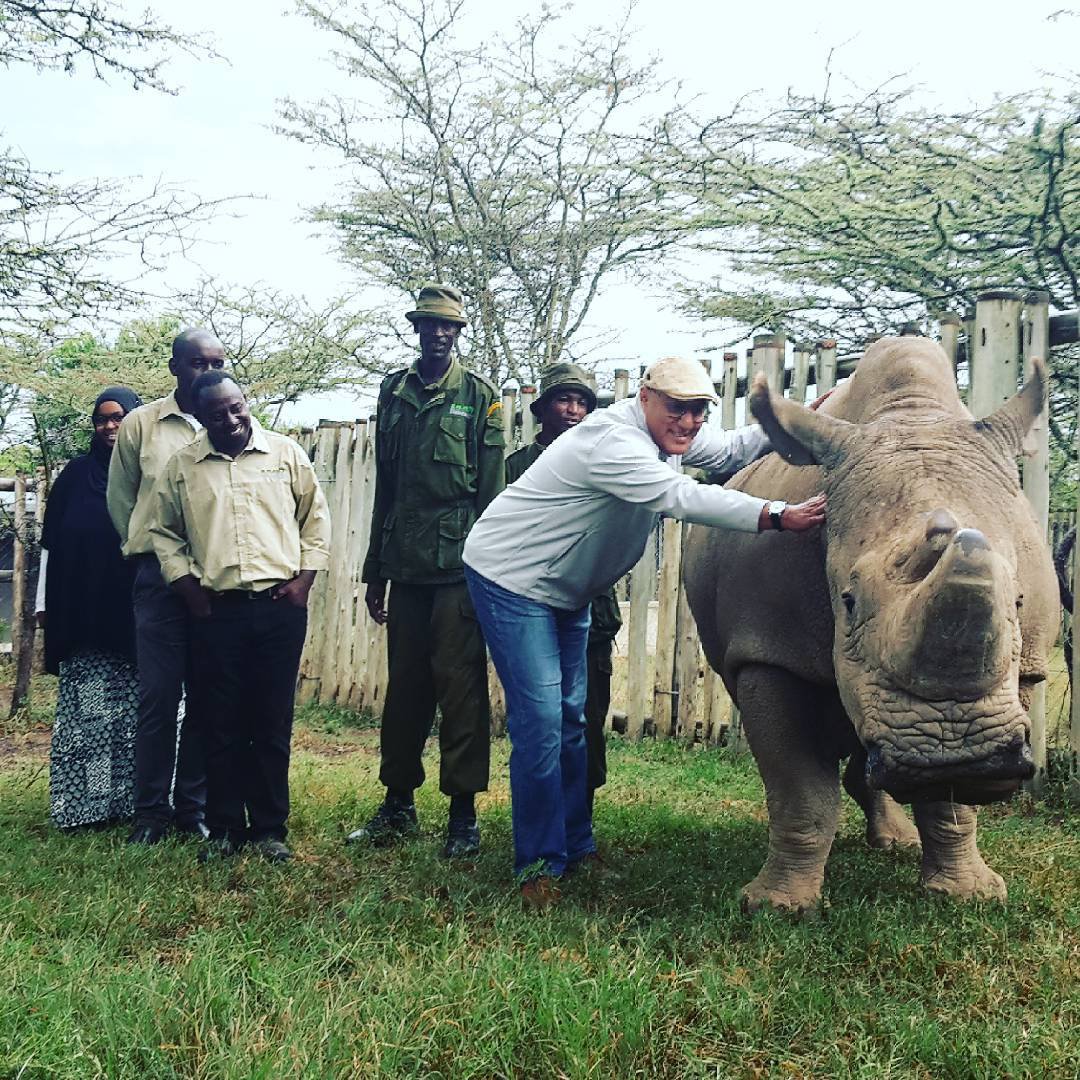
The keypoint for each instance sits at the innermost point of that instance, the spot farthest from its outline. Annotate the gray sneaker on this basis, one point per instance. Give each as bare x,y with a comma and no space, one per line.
392,823
272,850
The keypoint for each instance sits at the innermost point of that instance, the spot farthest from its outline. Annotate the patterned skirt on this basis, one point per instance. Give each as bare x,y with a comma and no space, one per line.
92,759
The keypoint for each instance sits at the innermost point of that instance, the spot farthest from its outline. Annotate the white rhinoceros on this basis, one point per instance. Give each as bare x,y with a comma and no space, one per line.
906,636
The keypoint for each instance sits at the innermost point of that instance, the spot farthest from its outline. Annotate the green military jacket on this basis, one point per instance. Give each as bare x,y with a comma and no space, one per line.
606,618
438,463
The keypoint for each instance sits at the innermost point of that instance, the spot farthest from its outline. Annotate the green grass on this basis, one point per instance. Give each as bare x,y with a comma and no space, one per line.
137,963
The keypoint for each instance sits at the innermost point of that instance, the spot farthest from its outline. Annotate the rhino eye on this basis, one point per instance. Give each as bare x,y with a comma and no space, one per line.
849,601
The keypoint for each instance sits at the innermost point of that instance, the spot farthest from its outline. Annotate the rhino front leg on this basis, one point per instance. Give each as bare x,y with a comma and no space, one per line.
802,787
887,826
951,862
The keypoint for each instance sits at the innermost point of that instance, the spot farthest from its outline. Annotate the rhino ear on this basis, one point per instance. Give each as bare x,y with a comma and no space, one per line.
1006,428
799,435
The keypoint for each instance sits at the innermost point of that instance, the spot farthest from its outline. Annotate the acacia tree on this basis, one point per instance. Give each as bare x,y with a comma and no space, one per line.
509,169
58,238
844,219
282,348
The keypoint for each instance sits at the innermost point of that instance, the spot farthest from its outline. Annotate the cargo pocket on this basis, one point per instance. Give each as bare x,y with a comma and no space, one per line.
453,528
451,441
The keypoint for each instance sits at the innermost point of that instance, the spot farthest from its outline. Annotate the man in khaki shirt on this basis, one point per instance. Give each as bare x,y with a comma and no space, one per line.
240,526
149,436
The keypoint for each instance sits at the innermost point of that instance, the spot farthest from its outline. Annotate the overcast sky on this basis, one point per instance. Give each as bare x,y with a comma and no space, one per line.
214,137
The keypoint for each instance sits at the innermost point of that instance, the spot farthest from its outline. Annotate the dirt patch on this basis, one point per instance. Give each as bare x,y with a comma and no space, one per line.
28,744
332,746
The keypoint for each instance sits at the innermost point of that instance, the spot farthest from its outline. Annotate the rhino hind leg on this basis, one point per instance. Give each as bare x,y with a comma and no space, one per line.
801,773
887,826
951,861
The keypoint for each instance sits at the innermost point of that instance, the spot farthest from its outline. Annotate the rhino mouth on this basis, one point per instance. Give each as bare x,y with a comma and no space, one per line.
993,778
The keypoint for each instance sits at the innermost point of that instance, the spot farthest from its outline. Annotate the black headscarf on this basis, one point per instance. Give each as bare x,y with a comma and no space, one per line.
98,470
88,583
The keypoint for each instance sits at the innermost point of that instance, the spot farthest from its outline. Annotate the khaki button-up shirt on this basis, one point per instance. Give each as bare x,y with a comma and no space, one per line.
148,438
247,522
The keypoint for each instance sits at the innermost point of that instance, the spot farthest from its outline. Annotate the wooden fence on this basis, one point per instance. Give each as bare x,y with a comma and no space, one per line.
662,684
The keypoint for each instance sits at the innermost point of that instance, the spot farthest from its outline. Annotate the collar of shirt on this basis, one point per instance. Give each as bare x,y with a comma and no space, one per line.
450,380
204,448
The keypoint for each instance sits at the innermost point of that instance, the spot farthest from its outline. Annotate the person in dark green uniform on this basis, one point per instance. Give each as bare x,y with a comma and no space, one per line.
566,398
438,463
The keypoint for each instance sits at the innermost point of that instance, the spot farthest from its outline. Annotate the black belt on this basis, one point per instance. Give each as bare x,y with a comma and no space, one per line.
241,595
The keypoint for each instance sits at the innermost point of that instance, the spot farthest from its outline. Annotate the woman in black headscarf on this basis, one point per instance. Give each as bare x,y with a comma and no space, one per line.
89,634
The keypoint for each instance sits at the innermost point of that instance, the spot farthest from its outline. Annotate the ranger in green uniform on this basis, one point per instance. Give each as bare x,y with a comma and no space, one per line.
438,463
566,398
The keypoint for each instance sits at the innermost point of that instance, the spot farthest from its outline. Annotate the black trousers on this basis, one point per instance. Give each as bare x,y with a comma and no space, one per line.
436,657
163,656
247,655
597,703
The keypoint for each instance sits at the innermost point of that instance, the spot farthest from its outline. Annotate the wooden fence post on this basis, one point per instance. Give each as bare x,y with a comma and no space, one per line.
667,606
1074,726
1036,342
638,696
509,407
767,356
22,595
528,421
949,335
825,369
800,372
730,390
996,351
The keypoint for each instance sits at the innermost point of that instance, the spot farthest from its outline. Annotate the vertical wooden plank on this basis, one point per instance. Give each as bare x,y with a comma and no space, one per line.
767,357
666,617
995,355
638,687
731,390
800,372
622,383
1074,725
323,461
949,335
1036,343
731,380
22,595
825,369
338,625
509,404
687,666
528,421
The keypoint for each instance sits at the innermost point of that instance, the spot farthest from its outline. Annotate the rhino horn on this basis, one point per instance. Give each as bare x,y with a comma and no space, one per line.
799,435
1006,427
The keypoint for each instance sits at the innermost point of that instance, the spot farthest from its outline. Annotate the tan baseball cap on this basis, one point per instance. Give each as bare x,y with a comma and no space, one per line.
685,380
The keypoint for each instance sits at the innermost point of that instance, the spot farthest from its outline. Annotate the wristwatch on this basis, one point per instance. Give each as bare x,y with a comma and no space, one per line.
776,510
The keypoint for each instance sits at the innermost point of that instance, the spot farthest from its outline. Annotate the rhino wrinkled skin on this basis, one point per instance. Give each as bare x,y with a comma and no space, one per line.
906,636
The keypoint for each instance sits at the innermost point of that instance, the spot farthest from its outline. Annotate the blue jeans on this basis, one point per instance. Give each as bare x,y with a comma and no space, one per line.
539,653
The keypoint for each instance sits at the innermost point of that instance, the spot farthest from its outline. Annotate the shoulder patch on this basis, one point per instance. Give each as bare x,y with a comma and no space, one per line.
494,407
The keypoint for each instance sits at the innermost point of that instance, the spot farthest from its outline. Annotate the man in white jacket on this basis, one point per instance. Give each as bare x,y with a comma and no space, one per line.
572,525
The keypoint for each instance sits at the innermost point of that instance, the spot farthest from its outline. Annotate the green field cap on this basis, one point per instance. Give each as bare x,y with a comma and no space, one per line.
438,302
564,377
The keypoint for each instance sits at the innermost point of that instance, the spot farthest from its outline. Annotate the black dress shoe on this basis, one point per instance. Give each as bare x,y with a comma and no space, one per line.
147,832
192,828
393,822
